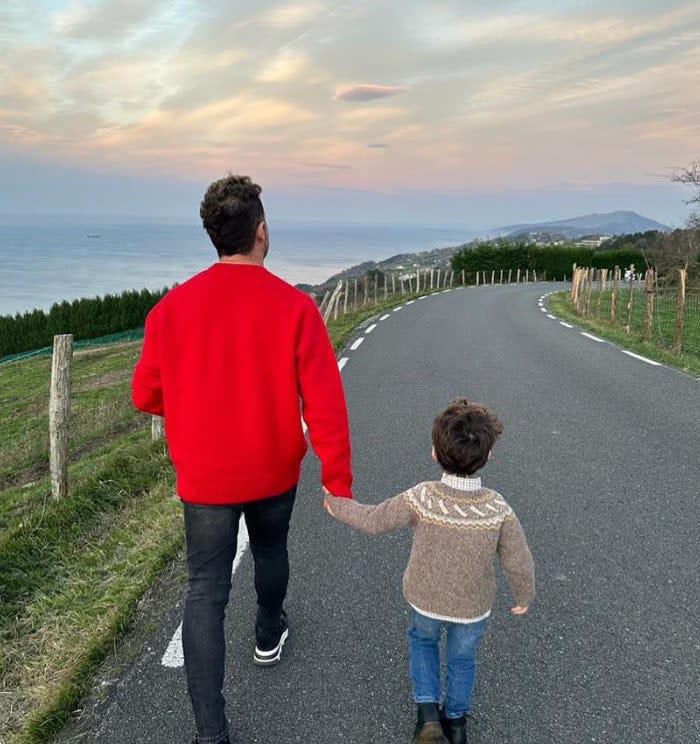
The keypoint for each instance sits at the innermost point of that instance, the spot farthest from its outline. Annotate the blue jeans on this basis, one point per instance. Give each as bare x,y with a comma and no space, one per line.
211,533
424,654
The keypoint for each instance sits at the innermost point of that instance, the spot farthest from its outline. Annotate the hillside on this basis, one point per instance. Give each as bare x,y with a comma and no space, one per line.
608,223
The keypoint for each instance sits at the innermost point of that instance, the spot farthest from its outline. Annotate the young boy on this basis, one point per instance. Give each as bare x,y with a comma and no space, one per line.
458,528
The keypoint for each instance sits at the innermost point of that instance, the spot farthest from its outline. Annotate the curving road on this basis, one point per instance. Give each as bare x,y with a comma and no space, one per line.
600,459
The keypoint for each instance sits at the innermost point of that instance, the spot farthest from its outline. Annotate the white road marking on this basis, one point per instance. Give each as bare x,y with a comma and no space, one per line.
357,343
410,302
593,338
396,309
553,317
173,656
543,309
424,297
342,362
371,328
384,317
641,358
566,325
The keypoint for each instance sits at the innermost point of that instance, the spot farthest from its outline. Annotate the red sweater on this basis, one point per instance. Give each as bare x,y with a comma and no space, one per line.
232,358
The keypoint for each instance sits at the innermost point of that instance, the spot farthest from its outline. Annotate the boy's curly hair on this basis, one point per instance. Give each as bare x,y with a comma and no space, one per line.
463,435
231,211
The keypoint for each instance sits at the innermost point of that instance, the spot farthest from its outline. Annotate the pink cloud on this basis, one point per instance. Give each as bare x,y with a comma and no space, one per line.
368,92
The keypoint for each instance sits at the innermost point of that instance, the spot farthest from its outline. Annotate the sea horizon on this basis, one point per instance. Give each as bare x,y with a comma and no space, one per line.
51,258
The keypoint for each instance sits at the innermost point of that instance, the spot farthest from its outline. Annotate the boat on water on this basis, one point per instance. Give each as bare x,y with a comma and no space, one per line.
94,235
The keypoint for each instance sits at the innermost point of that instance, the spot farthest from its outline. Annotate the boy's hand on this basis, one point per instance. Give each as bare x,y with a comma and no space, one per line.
519,610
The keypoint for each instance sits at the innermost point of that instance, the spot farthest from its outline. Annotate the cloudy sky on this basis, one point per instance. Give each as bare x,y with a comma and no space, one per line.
498,111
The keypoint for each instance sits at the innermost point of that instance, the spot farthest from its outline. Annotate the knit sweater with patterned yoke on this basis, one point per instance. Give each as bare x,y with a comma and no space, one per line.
458,529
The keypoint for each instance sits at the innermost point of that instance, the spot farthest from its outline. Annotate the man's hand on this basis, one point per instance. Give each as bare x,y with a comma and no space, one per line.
519,610
326,505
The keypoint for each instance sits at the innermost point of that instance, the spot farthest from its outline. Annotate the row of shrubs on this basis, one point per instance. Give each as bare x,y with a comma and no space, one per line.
85,318
556,260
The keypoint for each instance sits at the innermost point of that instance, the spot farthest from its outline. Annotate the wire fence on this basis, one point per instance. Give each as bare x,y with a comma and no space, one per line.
668,316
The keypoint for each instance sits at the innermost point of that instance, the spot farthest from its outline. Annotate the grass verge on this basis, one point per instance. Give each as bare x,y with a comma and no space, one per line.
560,305
73,572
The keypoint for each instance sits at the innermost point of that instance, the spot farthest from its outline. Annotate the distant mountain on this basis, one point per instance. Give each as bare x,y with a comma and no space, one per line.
609,223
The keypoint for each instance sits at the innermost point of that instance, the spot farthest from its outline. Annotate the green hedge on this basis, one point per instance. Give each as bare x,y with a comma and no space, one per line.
84,318
556,260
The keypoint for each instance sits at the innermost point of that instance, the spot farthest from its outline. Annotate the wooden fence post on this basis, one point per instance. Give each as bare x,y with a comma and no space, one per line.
393,282
332,302
156,428
464,278
649,317
346,292
628,327
613,295
601,289
680,311
355,296
59,412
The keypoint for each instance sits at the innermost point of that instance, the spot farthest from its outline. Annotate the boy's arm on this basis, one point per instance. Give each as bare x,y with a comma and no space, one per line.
323,402
391,514
146,390
517,561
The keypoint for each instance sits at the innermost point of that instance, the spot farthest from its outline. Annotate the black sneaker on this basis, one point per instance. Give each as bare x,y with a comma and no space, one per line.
268,648
428,727
454,728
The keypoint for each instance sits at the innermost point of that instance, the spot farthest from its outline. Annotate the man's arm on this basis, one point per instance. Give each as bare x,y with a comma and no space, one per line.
146,390
392,514
323,402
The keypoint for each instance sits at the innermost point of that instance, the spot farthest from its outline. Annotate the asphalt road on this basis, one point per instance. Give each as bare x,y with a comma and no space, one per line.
600,458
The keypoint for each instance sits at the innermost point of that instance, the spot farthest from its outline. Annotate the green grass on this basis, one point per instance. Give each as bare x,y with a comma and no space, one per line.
72,572
657,348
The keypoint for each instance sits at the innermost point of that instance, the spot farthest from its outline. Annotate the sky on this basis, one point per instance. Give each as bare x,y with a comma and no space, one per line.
374,110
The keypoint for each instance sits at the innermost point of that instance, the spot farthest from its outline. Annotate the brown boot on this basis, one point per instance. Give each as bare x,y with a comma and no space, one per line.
428,727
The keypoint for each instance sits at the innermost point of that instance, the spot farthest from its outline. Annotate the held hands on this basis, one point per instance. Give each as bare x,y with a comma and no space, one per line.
519,609
326,505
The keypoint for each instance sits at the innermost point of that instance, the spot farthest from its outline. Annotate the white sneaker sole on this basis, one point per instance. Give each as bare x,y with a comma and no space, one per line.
268,658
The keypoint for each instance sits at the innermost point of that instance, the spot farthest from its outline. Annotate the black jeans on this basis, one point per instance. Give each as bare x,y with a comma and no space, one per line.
212,534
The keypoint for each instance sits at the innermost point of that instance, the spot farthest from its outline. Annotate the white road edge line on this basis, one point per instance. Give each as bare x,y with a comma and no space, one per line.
566,325
641,358
593,338
342,362
384,317
553,317
396,309
410,302
371,328
173,657
543,309
356,344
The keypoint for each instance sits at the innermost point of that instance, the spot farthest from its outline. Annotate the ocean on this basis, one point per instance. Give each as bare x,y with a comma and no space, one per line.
47,260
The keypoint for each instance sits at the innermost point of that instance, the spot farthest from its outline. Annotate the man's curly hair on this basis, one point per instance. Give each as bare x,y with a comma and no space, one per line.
463,435
231,211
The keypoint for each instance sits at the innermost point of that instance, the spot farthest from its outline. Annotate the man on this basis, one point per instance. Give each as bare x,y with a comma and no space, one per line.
232,358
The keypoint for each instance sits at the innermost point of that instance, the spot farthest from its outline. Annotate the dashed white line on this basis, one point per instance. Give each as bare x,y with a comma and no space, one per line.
553,317
342,362
641,358
410,302
543,309
566,325
593,338
424,297
173,656
384,317
371,328
356,344
396,309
